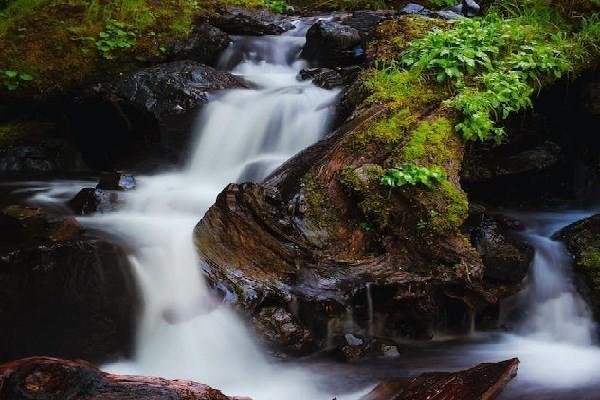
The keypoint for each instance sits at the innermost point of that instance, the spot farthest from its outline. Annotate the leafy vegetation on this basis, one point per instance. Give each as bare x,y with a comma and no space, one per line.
115,36
12,79
279,6
496,65
443,3
412,175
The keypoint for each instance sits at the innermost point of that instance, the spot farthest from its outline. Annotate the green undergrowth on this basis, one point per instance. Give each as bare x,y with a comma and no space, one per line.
458,82
60,43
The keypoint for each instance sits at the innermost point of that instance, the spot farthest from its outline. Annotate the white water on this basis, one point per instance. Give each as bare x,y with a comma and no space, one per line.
242,135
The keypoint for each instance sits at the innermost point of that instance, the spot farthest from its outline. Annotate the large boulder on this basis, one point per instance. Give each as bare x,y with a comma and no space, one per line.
204,44
582,239
62,293
299,243
48,378
332,44
506,257
144,118
253,22
482,382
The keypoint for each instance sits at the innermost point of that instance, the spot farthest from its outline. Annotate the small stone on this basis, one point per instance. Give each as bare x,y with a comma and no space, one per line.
412,8
116,181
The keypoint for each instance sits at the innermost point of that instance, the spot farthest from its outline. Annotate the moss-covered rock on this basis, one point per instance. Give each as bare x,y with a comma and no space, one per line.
583,241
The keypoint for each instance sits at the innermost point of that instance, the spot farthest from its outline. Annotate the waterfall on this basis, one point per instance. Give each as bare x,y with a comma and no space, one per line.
554,309
242,135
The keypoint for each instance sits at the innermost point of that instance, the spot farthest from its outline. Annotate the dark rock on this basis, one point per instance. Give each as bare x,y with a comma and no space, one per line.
330,78
412,8
204,44
253,22
367,21
45,378
470,8
482,382
90,200
258,242
536,159
332,44
506,258
281,330
582,239
21,224
143,119
351,348
446,14
45,155
116,181
63,295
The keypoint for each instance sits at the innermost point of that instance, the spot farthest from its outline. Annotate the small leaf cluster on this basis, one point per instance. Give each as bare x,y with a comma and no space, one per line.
115,35
278,6
12,79
412,175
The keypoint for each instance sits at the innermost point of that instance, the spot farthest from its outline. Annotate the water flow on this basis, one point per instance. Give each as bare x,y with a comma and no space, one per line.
243,135
555,310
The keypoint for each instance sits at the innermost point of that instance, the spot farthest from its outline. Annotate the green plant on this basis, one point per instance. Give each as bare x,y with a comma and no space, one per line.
412,175
278,6
443,3
115,36
12,79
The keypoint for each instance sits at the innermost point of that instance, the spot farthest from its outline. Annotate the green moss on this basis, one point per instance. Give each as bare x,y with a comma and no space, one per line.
450,206
55,41
320,214
589,262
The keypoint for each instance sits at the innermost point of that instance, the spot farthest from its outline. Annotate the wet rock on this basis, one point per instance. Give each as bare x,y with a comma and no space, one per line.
90,200
46,155
115,181
367,21
142,119
582,239
62,294
537,159
48,378
470,8
484,381
330,78
506,258
446,14
253,22
351,348
257,243
204,44
281,330
332,44
412,8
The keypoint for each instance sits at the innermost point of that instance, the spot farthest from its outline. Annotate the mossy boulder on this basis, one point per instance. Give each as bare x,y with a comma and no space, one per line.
583,241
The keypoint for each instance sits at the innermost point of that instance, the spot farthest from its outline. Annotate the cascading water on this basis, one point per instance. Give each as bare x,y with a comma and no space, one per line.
242,135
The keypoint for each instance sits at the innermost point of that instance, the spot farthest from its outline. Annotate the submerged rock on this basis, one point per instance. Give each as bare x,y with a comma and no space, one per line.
482,382
51,378
90,200
330,78
254,22
332,44
143,119
62,293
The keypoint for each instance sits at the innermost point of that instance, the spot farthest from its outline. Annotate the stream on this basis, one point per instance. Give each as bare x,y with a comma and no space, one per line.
243,135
